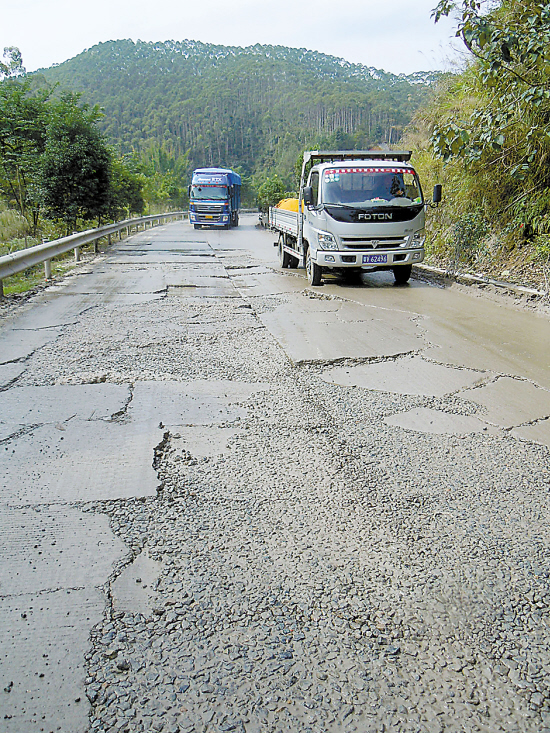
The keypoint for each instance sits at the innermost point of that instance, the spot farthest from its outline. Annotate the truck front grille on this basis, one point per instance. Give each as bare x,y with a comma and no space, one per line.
373,242
215,209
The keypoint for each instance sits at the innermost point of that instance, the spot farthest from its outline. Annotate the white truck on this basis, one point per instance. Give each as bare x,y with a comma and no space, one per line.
360,210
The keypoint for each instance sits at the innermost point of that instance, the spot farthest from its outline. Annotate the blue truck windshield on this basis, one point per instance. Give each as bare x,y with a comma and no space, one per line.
200,192
356,186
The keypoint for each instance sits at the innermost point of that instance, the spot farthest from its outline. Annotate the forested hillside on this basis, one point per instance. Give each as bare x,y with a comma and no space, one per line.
253,108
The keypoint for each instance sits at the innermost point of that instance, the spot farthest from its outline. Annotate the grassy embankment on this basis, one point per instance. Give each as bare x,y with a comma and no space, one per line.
15,235
489,222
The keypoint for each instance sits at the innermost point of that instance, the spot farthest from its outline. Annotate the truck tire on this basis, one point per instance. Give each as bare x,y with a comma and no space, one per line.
314,272
293,264
235,220
402,274
197,226
284,257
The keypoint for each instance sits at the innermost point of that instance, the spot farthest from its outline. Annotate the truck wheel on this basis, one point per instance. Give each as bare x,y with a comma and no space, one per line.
402,274
284,257
236,220
293,262
197,226
314,272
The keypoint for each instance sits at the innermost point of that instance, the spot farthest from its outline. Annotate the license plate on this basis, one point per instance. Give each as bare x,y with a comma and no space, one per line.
208,216
374,259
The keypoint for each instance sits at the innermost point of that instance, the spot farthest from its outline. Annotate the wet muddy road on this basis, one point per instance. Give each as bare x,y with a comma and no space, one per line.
231,502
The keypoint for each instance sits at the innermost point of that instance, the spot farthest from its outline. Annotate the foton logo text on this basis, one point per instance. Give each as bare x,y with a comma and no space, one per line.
375,217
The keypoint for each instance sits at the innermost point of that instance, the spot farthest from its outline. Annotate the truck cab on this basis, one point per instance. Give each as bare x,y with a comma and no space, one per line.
356,210
214,198
363,213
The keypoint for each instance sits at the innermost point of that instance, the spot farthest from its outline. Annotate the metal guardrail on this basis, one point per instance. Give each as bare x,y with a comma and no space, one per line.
21,260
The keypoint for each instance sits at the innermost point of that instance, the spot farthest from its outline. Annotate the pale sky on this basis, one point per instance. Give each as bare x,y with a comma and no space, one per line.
395,35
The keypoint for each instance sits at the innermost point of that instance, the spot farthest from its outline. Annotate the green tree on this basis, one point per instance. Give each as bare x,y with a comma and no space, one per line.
165,176
76,163
12,65
125,191
23,123
270,192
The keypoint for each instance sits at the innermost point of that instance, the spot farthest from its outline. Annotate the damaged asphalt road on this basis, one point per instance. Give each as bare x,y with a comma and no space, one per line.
230,502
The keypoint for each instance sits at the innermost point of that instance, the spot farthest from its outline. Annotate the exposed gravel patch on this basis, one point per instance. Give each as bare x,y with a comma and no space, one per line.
166,340
324,572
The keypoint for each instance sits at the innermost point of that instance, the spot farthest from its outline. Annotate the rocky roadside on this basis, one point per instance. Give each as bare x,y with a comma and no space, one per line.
319,570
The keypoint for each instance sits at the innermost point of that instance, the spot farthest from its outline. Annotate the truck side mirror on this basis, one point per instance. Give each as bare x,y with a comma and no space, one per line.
189,191
437,193
308,196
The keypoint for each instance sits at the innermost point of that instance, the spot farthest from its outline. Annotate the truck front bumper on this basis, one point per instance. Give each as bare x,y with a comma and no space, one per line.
210,220
370,260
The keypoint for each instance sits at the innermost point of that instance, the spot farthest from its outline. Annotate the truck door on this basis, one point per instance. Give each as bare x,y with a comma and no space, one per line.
314,183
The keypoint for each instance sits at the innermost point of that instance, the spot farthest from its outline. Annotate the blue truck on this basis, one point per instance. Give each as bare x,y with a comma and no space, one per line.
214,198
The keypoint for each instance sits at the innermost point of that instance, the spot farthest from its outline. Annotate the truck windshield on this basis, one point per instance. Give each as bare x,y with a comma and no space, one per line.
209,192
371,187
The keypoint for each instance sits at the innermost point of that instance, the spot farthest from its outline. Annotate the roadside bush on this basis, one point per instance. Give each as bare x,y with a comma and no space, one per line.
542,246
533,214
468,232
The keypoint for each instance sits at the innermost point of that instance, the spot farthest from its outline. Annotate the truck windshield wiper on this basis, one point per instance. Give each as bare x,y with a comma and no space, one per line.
341,206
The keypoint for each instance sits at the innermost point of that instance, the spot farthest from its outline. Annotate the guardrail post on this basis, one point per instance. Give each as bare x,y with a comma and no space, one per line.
1,289
96,246
48,269
109,240
77,254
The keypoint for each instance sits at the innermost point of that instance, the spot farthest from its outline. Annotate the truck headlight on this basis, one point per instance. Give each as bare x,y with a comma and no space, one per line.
326,241
417,239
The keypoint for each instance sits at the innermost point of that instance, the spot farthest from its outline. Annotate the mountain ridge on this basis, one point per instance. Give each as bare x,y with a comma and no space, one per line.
254,107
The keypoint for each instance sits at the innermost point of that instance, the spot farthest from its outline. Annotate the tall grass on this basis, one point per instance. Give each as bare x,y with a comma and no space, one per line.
14,231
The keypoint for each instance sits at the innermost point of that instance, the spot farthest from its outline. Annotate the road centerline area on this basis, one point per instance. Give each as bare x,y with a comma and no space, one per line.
232,502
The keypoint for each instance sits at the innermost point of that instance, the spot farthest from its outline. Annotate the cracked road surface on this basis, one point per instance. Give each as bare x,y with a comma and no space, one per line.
231,502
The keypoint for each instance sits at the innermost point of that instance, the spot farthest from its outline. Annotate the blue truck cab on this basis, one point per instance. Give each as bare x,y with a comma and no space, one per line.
214,198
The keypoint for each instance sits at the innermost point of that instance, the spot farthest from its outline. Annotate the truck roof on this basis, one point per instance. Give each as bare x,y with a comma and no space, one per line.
333,156
233,177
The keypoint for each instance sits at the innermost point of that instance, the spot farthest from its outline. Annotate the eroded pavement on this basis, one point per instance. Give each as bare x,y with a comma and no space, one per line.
233,502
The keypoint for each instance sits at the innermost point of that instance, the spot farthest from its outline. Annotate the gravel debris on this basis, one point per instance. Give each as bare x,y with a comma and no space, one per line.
322,571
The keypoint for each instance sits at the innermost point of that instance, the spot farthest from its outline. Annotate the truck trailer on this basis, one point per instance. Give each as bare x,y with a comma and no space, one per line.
360,211
214,198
